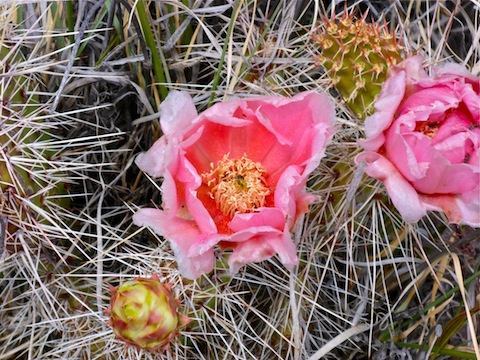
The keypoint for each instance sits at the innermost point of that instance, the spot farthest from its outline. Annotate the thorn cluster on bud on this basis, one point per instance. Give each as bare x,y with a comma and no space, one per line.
143,312
357,56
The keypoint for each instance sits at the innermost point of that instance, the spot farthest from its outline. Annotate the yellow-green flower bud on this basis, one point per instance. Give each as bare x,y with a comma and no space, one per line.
144,313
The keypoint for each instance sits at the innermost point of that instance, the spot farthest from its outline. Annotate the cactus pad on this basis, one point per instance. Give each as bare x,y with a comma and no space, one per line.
357,56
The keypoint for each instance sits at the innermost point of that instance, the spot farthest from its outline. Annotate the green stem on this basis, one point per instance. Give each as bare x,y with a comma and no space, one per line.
216,78
187,34
437,301
457,354
70,21
154,51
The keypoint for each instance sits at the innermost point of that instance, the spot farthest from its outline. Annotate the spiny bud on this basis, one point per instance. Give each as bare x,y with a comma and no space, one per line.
357,56
143,312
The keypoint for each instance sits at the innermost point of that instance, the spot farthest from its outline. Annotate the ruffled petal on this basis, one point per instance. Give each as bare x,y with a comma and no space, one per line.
430,104
403,195
251,232
272,217
177,113
413,67
459,209
172,200
454,71
289,194
260,248
285,249
457,123
255,250
468,206
153,162
204,244
385,107
201,215
181,234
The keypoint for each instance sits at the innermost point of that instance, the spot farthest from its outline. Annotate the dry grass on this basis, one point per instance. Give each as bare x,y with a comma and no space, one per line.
367,286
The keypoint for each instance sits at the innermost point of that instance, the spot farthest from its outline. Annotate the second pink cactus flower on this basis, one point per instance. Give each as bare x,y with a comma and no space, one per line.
423,141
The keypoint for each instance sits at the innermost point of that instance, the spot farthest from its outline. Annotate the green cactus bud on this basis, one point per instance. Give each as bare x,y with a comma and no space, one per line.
143,312
357,56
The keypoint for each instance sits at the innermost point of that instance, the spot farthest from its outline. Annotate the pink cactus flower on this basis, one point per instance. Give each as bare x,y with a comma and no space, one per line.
234,176
423,141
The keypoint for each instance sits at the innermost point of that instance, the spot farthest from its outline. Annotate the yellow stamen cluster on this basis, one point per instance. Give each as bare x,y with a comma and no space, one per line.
237,185
429,129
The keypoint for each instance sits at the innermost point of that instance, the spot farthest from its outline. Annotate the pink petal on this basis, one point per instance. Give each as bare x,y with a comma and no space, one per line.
153,162
181,234
235,141
461,81
204,244
393,91
470,99
253,232
400,150
265,231
427,169
261,248
454,70
304,123
170,197
385,107
431,101
288,118
285,249
272,217
443,178
255,250
468,206
207,242
177,113
413,67
188,176
202,217
228,113
403,195
457,122
456,147
289,194
463,209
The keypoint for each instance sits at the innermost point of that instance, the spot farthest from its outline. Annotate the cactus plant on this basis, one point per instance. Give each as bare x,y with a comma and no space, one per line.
26,165
357,56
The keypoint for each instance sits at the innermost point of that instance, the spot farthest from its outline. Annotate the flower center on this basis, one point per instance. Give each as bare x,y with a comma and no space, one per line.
429,129
237,185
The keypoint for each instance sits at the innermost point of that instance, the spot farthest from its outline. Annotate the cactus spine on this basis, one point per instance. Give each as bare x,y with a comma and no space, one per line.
25,163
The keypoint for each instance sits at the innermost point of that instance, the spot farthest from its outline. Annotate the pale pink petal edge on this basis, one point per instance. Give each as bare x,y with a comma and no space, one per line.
177,113
461,209
181,234
400,191
262,248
